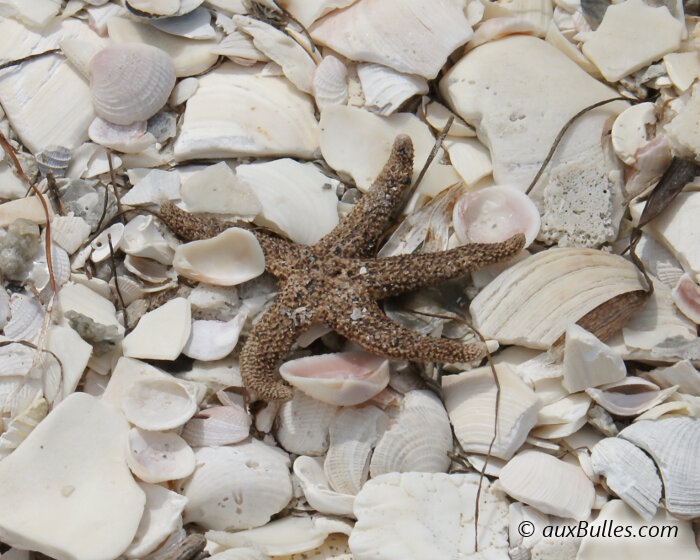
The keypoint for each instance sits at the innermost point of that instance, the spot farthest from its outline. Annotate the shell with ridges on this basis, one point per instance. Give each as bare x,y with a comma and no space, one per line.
329,84
309,472
303,425
219,425
385,89
21,426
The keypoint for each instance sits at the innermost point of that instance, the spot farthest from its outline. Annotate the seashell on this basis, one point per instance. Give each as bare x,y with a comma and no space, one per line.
162,515
308,12
150,270
213,340
418,439
313,481
28,208
548,484
74,354
194,25
238,47
232,257
154,7
496,28
659,261
686,296
533,289
54,160
342,379
629,396
329,83
353,434
673,444
283,122
158,456
130,82
100,245
161,334
69,232
629,473
428,503
27,316
629,131
158,404
409,37
303,425
143,239
386,90
216,189
79,52
219,425
4,307
588,362
470,159
130,138
182,91
437,115
565,410
261,488
470,400
666,410
494,214
618,53
21,426
287,189
682,374
155,187
682,68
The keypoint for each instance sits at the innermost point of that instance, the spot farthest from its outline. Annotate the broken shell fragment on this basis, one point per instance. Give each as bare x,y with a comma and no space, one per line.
130,82
158,456
588,362
385,89
629,396
303,424
215,189
130,138
309,472
158,404
161,334
219,425
214,340
329,83
343,379
686,296
629,131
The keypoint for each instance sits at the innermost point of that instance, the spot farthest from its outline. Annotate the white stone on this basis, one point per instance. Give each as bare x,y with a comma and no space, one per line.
588,362
162,333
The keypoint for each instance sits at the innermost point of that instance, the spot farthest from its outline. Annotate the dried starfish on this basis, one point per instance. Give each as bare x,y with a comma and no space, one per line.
336,282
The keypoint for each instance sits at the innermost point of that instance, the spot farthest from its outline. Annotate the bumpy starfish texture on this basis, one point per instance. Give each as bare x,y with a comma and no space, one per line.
336,282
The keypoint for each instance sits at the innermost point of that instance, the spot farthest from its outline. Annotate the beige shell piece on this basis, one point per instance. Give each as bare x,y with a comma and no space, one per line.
533,302
161,334
260,488
142,238
303,425
629,396
309,473
158,404
130,82
629,473
219,425
130,138
470,158
437,115
470,400
496,28
629,131
683,68
216,189
385,89
153,188
588,362
214,340
158,456
329,83
686,296
418,439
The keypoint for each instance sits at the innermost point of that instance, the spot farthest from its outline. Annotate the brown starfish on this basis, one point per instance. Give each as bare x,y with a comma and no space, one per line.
336,282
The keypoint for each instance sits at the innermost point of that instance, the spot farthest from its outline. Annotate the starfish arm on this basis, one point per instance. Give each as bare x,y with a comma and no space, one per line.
394,275
268,343
366,325
358,233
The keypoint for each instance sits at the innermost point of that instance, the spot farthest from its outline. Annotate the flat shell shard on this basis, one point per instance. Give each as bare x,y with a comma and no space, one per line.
588,362
533,302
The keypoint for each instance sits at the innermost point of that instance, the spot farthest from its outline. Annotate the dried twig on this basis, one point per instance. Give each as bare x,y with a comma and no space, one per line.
116,280
113,180
28,57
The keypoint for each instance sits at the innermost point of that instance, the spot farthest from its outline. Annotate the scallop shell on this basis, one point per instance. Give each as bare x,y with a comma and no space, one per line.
548,484
309,472
260,488
158,456
385,90
54,160
343,379
130,138
21,426
232,257
329,84
158,404
533,302
161,334
629,473
686,296
629,396
213,340
219,425
674,444
419,438
353,434
303,425
470,400
130,82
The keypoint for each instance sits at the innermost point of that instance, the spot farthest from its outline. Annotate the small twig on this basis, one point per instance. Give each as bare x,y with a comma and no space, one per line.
54,194
113,180
104,207
27,58
116,280
305,31
563,131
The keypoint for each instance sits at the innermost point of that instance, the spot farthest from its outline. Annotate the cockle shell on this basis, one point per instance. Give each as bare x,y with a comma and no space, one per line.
343,379
329,83
418,439
232,257
55,160
158,456
219,425
158,404
629,396
303,425
130,82
494,214
260,488
309,472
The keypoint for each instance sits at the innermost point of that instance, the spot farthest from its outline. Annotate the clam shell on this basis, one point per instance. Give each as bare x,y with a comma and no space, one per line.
309,473
232,257
629,473
213,340
130,138
418,439
130,82
343,379
329,83
219,425
629,396
588,362
158,404
353,434
161,334
686,296
674,445
261,487
385,90
470,400
303,425
158,456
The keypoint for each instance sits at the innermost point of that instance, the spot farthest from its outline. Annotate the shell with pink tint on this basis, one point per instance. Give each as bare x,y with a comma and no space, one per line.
158,456
686,296
494,214
342,379
219,425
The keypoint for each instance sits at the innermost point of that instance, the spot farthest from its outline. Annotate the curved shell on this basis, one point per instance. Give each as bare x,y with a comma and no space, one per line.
629,131
309,473
260,488
100,245
303,425
629,396
143,239
419,439
686,296
385,90
342,379
232,257
219,425
22,425
158,456
54,159
329,84
130,82
158,404
214,340
130,138
154,7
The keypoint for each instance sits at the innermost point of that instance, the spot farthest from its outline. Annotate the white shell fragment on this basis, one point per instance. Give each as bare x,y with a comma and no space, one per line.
155,187
61,487
213,340
309,472
588,362
130,138
385,90
161,334
260,488
686,296
130,82
158,456
629,396
329,83
342,379
683,68
470,400
629,131
215,189
22,425
548,484
158,404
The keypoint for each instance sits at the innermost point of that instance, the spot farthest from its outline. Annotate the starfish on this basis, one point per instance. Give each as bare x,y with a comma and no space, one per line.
336,281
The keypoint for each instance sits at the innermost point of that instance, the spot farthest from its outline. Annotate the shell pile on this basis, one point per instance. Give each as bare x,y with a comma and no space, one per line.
125,427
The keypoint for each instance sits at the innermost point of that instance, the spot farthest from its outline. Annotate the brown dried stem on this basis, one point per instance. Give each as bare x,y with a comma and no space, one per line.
27,58
113,261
